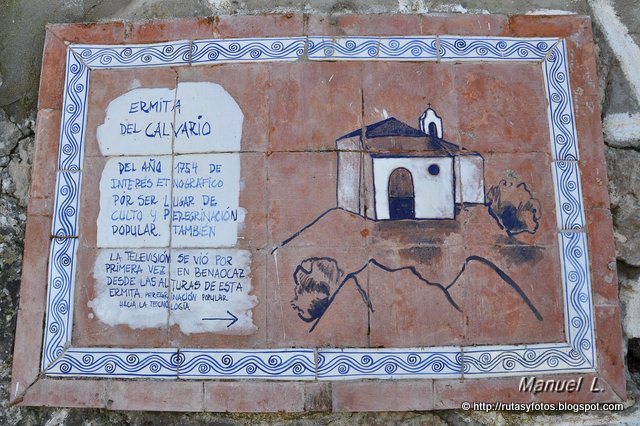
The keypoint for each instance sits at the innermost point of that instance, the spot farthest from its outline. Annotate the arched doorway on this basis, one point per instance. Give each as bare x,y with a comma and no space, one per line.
401,195
433,129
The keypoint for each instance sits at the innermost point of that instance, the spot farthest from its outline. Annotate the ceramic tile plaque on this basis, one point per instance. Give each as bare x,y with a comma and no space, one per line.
289,213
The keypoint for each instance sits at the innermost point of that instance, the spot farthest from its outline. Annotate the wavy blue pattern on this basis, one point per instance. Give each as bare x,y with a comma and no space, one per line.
389,363
116,363
569,210
252,50
74,110
378,48
494,49
575,271
66,205
562,119
239,364
58,318
342,48
520,360
417,48
135,55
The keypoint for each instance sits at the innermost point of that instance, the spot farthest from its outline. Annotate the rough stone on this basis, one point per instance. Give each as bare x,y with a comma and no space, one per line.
630,17
630,297
15,176
9,135
624,189
12,219
616,95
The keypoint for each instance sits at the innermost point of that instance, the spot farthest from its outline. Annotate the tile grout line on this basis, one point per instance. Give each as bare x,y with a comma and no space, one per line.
78,57
572,231
546,55
169,290
271,251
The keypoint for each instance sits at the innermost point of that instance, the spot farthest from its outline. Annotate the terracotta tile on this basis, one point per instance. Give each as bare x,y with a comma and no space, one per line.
335,227
602,257
513,183
54,59
581,54
400,296
250,207
250,397
404,90
26,358
40,207
463,24
294,202
488,124
89,33
317,396
343,323
584,395
373,395
406,24
66,393
450,394
370,25
125,202
287,25
609,344
167,396
489,300
593,167
306,98
231,338
90,200
546,25
91,329
107,85
171,29
576,30
43,174
415,233
253,198
33,285
247,83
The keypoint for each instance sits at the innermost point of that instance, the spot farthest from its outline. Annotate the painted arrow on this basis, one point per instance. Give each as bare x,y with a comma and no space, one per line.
233,319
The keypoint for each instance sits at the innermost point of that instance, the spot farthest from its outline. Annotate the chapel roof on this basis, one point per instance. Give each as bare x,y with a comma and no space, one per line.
397,130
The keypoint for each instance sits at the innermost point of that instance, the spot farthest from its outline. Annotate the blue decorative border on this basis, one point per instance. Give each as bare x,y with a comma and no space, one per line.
65,217
564,145
569,209
517,360
112,362
243,50
58,319
575,355
247,364
367,48
494,49
425,363
135,56
74,111
577,286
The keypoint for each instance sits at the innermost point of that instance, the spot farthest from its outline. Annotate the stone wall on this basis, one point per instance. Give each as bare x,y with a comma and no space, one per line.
617,30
